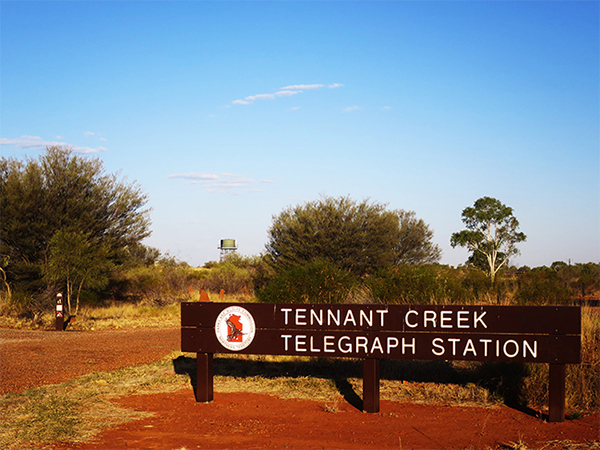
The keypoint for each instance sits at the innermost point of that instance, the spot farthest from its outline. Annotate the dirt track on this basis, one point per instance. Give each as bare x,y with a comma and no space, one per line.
33,358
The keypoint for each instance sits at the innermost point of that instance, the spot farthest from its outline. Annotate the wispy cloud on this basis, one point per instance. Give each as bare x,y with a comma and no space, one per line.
284,91
303,87
221,182
351,108
36,142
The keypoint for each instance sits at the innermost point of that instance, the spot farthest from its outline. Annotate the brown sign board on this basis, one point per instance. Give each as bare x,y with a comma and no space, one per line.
549,334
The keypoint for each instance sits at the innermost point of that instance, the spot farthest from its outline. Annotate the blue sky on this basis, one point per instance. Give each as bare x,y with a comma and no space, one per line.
226,113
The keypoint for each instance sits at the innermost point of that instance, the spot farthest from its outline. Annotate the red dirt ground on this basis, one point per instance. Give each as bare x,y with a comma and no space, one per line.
253,421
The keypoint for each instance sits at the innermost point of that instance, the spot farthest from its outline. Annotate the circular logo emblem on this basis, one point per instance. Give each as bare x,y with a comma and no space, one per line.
235,328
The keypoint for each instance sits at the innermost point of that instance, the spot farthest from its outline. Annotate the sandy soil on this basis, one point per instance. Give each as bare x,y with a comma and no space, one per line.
253,421
35,358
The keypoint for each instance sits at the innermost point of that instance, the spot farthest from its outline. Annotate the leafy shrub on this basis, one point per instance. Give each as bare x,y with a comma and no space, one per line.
478,283
415,285
542,286
226,276
315,282
159,284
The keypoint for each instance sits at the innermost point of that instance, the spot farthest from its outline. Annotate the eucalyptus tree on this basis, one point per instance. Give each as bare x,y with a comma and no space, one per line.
77,263
52,201
491,235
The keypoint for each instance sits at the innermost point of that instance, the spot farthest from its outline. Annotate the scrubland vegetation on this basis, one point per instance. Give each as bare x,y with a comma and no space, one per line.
68,227
150,296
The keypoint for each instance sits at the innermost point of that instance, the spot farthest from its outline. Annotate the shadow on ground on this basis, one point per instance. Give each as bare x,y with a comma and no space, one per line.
501,379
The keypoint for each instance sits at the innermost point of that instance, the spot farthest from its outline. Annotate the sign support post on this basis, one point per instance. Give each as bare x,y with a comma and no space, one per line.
556,394
204,378
371,378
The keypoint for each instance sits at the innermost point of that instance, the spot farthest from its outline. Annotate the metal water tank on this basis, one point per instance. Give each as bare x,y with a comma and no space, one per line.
228,244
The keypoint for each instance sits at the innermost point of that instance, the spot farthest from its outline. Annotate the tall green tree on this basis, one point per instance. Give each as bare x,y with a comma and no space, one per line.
359,237
76,263
415,245
491,235
61,191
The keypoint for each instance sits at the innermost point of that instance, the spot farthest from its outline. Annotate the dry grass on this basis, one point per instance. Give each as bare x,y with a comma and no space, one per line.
308,388
119,315
570,445
332,380
78,410
112,317
127,316
447,394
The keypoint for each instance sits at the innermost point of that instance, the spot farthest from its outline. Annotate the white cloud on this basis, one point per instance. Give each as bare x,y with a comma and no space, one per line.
251,98
303,86
351,108
222,182
195,176
294,108
89,133
386,108
36,142
285,91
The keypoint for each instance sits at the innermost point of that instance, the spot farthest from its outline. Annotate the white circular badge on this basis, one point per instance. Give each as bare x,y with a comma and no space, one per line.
235,328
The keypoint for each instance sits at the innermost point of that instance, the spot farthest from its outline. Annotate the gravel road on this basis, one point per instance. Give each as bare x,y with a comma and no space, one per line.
29,359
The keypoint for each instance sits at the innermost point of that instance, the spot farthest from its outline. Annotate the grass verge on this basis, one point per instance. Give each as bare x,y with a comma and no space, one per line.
112,317
76,411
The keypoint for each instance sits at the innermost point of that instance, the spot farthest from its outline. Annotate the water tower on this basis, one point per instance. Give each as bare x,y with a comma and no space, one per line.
227,247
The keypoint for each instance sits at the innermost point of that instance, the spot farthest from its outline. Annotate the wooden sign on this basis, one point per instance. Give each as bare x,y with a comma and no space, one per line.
549,334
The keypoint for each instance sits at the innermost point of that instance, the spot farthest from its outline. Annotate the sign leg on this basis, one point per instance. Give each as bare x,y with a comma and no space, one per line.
557,381
204,377
371,385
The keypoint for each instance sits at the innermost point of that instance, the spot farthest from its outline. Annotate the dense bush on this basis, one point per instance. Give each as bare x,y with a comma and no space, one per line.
359,237
159,284
439,284
412,285
542,286
315,282
227,276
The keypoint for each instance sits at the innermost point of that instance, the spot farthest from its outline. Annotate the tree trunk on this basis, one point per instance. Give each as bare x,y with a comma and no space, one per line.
69,291
8,290
78,292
